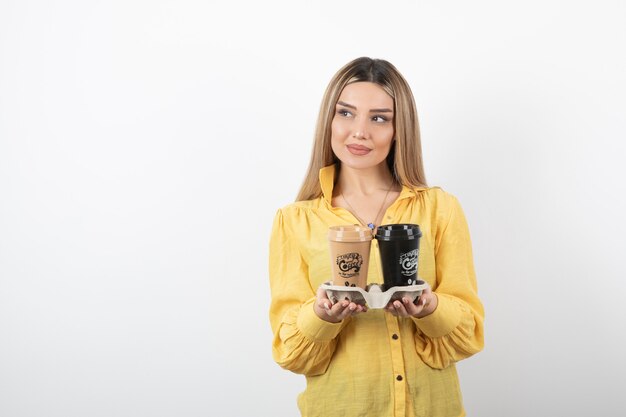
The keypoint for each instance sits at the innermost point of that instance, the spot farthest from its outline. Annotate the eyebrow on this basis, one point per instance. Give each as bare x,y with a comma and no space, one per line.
341,103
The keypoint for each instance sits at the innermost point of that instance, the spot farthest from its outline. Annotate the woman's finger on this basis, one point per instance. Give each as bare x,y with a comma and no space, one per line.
400,308
410,307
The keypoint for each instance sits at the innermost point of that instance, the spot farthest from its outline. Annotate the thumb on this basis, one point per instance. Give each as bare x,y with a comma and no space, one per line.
322,299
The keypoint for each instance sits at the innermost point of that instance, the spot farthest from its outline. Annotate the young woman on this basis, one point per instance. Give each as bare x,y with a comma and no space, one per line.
366,168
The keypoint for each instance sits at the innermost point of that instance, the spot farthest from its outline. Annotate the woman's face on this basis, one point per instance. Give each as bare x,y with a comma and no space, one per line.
362,128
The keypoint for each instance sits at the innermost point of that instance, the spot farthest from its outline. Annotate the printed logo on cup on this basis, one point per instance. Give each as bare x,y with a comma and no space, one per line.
408,261
349,264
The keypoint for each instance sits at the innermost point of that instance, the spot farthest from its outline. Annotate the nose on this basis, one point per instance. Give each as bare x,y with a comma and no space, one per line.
360,131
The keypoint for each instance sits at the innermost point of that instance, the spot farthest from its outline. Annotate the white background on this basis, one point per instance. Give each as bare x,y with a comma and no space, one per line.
146,145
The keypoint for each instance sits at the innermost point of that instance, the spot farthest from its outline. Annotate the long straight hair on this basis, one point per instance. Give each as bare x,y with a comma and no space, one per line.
405,156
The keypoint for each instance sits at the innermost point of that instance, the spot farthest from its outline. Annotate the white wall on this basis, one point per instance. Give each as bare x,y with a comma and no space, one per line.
145,146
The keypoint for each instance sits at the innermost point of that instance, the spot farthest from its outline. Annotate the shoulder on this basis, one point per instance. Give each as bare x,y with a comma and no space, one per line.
434,197
437,204
439,195
300,208
294,214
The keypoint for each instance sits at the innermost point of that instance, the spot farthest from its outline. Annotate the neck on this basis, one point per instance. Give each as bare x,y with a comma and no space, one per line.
364,182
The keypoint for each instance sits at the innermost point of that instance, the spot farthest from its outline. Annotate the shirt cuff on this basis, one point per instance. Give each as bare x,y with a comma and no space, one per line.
313,327
442,321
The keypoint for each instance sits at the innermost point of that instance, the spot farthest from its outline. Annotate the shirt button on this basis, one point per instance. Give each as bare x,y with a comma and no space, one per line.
399,377
394,336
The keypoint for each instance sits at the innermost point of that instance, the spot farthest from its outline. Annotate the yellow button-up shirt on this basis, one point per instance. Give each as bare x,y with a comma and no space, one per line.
375,364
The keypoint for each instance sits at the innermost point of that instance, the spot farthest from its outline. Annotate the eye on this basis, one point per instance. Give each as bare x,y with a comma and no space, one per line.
344,113
380,119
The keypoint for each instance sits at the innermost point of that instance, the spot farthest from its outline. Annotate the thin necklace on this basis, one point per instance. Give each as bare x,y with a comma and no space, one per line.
371,224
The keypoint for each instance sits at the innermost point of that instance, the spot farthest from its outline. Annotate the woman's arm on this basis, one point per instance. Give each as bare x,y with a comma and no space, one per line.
303,342
454,330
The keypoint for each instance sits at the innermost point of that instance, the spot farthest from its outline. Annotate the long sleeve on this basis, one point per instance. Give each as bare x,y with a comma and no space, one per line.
303,343
454,331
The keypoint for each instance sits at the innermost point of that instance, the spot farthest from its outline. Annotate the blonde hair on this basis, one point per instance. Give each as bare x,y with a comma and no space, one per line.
405,157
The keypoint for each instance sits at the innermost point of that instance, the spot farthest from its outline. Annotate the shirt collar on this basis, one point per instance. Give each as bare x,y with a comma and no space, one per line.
327,182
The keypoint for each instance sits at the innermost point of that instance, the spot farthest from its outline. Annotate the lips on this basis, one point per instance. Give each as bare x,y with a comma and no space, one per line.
358,149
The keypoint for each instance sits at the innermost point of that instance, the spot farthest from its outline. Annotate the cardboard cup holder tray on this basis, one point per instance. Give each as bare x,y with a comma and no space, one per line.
373,296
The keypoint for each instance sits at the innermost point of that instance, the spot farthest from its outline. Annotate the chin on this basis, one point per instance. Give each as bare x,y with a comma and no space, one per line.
360,162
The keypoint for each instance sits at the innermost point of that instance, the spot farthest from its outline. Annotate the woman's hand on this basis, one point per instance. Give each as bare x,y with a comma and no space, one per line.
406,308
325,309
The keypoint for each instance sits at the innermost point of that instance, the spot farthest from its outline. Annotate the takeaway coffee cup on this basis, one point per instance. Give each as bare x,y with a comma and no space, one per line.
350,254
399,250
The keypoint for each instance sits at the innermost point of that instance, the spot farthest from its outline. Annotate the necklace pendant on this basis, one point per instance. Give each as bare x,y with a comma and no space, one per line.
371,226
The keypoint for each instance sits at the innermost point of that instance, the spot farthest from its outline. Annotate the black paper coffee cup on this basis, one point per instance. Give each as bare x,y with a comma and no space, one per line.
399,251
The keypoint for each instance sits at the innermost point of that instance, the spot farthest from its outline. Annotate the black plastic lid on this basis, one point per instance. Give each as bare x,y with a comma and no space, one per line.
398,231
